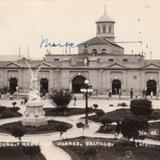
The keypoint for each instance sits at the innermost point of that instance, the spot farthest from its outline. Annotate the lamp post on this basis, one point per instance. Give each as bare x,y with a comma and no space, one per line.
86,89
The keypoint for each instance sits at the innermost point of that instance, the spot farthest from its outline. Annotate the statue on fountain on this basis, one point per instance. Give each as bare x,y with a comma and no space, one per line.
34,114
34,85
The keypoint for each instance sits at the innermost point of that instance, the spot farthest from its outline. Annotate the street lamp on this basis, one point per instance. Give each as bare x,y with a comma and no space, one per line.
86,89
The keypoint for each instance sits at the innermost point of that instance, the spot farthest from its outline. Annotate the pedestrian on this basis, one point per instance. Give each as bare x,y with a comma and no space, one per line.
110,93
151,94
115,90
17,89
117,129
75,99
120,93
157,95
145,91
22,102
131,93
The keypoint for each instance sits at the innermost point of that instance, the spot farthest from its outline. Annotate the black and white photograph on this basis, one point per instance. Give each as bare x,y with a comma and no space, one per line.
79,80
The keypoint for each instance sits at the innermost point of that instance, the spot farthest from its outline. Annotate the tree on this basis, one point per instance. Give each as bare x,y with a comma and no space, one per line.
61,128
61,98
81,125
18,132
131,127
95,106
135,127
141,107
14,104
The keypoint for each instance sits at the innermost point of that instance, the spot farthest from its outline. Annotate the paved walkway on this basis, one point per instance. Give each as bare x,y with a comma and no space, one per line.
102,103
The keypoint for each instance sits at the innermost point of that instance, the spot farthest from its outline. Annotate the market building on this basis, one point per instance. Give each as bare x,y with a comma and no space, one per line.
99,59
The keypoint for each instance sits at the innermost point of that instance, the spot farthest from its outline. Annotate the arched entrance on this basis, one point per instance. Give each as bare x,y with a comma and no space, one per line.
44,86
151,87
77,84
12,85
116,86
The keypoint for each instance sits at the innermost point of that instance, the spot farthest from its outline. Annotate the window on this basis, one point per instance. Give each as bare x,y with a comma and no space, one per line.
99,29
56,59
134,77
110,29
85,50
104,29
99,59
125,60
110,60
103,51
94,51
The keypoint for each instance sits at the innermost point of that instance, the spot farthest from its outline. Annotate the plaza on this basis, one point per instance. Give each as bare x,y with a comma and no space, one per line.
93,100
45,140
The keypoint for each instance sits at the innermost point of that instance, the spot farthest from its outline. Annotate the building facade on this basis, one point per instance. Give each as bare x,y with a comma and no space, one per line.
99,59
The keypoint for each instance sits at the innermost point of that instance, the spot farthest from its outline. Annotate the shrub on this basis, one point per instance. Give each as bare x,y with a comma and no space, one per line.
14,104
122,105
61,97
131,127
99,112
80,125
141,107
90,152
95,106
4,90
105,121
15,109
25,99
32,150
2,109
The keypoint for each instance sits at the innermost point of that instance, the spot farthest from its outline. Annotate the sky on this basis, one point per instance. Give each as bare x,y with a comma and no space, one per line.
23,23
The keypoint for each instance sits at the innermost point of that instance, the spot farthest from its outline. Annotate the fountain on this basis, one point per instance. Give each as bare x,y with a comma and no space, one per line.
34,114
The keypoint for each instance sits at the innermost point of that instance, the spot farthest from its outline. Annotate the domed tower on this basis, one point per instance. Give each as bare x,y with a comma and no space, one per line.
105,27
103,42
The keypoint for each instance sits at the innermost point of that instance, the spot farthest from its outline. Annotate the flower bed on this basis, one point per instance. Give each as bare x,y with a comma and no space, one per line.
120,150
9,112
53,126
19,153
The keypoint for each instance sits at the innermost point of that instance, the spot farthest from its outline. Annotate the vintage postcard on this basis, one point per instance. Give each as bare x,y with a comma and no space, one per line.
79,80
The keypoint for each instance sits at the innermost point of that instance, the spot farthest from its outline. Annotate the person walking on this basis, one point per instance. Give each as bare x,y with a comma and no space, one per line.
131,93
145,91
120,93
75,99
109,94
151,94
117,129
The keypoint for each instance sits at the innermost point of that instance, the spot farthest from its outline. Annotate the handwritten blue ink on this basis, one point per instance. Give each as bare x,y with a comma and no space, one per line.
47,44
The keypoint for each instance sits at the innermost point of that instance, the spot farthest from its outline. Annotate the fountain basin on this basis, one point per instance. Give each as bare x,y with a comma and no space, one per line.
34,114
